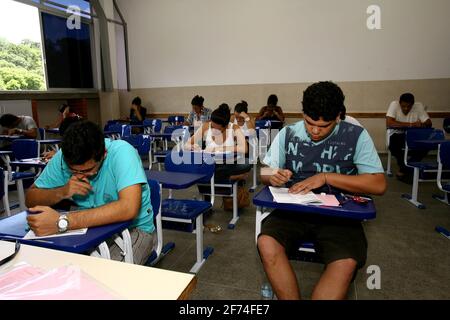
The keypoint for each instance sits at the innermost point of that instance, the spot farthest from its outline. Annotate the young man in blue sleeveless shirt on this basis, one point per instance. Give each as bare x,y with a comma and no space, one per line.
319,153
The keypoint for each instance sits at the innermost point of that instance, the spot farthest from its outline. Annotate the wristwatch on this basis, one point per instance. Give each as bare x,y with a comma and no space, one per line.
63,223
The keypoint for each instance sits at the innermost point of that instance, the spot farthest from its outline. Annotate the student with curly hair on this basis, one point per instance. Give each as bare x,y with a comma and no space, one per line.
318,153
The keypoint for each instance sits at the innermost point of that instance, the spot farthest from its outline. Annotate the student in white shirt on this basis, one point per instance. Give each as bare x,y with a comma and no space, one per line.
405,113
242,119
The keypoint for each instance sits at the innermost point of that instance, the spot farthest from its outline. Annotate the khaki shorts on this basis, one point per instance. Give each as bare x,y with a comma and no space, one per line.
142,242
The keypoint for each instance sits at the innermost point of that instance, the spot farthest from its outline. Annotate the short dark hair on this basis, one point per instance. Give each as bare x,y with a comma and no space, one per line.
8,120
323,100
66,123
407,97
221,115
272,100
83,141
136,101
241,107
198,101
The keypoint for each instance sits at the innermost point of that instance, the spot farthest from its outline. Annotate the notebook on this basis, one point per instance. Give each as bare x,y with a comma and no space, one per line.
282,195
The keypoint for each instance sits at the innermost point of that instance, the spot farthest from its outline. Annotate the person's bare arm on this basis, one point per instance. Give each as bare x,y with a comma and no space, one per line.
368,183
279,114
195,142
392,123
125,208
49,197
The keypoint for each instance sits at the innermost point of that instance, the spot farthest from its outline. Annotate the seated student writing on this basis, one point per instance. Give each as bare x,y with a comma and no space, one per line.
272,112
220,135
65,112
242,119
405,113
107,182
199,113
19,125
318,153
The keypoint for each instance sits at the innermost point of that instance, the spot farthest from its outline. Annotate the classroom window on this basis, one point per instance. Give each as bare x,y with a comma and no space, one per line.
21,66
68,53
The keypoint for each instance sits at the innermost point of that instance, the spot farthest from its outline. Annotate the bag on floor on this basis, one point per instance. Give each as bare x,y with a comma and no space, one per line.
243,199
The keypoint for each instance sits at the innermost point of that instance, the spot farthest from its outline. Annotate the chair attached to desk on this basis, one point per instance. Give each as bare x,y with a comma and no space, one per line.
190,212
143,145
443,163
415,142
21,149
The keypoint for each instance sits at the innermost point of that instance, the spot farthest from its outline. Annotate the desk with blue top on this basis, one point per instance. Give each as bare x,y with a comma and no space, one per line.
350,209
15,227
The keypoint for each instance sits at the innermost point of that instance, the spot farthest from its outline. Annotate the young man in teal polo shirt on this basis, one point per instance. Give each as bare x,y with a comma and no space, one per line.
320,153
106,181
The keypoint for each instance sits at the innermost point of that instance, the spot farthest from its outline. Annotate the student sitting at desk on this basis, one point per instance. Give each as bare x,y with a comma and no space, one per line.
319,153
242,119
107,182
220,135
19,125
65,112
272,112
199,113
405,113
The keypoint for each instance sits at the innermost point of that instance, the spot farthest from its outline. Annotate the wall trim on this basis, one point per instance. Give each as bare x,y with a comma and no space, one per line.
295,115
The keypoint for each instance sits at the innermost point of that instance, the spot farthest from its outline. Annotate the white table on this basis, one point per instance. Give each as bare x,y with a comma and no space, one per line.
129,281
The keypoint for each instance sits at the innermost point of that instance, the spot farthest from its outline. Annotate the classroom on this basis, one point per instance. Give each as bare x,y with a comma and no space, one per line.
225,150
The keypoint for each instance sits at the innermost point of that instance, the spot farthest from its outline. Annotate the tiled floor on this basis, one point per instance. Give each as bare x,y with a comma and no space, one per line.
413,258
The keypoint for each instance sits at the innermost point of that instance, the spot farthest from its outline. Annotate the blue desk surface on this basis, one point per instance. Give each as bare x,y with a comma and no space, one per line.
16,226
167,136
431,143
174,180
112,132
54,130
28,164
10,138
50,141
349,209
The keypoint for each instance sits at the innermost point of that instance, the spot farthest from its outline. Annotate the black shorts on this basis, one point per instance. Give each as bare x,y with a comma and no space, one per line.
334,238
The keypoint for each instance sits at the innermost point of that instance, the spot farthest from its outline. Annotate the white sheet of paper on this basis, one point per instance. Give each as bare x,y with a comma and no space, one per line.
281,195
31,236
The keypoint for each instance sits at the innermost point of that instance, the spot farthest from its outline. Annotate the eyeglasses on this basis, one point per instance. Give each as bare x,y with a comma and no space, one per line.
11,256
86,171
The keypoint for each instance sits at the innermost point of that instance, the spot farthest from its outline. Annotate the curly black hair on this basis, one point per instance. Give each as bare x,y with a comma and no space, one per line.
323,100
82,142
197,101
241,107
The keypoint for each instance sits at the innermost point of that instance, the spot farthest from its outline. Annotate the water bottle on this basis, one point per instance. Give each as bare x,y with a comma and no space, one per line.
266,291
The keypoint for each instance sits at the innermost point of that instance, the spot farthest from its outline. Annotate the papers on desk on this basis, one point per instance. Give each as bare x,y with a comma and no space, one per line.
282,195
31,236
26,282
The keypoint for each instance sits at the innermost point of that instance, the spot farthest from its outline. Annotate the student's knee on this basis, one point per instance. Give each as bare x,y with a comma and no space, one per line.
269,248
346,267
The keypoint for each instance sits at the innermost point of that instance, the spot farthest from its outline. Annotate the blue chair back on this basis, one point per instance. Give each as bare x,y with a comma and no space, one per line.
262,124
155,198
109,125
413,135
175,120
25,148
447,125
126,131
444,154
2,181
190,162
142,143
154,124
41,133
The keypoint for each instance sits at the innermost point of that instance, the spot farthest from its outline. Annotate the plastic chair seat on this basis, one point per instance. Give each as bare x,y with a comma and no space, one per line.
184,209
22,175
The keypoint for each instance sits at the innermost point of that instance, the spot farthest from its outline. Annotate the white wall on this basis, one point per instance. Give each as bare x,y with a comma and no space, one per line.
214,42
